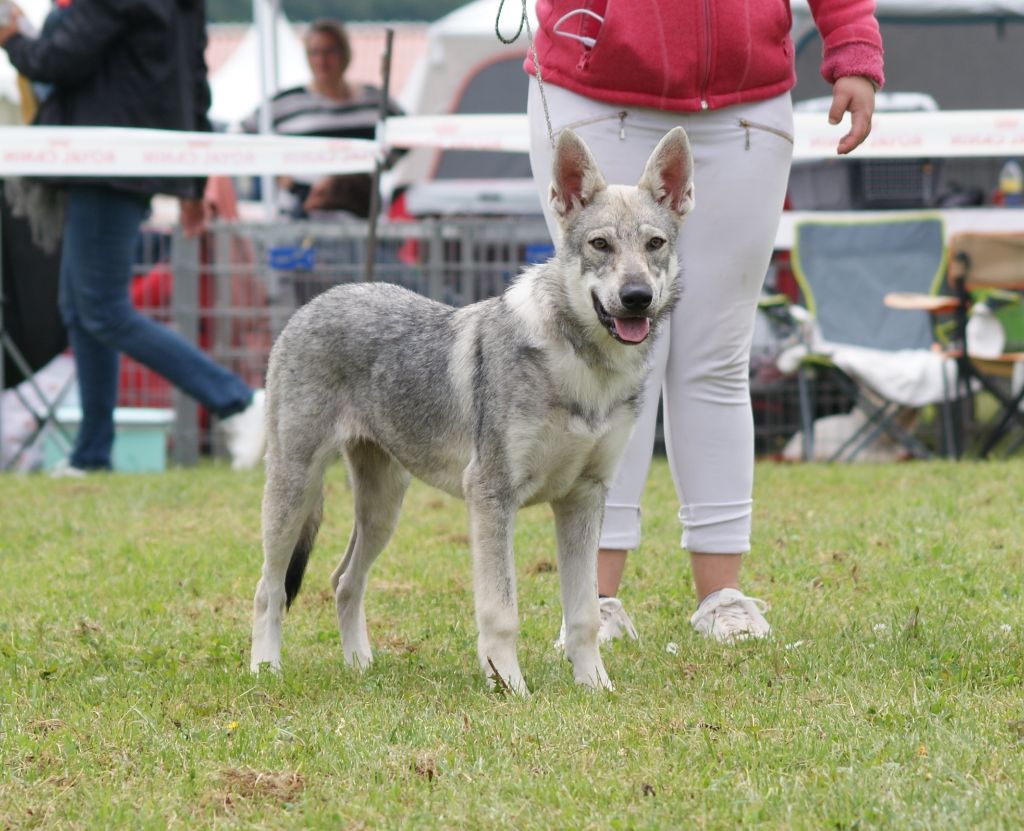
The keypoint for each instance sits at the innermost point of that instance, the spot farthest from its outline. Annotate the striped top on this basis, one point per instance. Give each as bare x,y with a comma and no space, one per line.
299,111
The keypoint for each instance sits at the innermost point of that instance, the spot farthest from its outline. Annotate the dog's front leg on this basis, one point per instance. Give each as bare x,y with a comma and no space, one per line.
491,518
578,518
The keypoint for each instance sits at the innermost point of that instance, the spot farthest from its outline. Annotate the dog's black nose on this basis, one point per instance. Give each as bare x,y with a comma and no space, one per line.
636,297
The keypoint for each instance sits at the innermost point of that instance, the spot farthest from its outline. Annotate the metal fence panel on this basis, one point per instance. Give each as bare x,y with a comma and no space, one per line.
232,291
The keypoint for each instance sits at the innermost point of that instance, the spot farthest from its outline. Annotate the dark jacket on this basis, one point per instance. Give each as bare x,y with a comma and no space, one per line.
124,63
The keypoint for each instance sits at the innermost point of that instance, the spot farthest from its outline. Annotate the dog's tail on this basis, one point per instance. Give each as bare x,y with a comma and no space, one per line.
301,552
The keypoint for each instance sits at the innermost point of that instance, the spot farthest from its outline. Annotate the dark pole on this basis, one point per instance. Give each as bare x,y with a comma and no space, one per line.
371,231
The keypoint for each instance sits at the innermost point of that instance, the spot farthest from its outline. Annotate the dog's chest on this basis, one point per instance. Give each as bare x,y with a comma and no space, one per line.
569,444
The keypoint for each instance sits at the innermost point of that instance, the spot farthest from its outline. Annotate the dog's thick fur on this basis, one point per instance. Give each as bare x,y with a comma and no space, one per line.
525,398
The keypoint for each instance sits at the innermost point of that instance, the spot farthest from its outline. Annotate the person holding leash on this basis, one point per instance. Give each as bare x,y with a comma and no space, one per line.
134,63
621,75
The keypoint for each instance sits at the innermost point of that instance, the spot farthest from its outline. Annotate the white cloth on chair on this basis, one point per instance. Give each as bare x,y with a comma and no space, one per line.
911,377
21,410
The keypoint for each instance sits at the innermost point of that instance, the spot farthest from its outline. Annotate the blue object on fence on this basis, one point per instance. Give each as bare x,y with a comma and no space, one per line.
292,258
538,252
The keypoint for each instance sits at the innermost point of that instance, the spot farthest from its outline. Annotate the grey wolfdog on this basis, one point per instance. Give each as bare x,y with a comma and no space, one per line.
525,398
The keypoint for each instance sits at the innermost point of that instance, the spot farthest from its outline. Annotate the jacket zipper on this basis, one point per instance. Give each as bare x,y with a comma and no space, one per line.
748,125
707,55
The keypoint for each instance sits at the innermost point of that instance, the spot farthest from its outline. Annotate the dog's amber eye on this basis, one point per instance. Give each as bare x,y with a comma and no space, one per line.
599,243
654,243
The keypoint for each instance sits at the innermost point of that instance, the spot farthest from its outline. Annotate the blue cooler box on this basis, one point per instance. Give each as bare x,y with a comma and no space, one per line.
140,438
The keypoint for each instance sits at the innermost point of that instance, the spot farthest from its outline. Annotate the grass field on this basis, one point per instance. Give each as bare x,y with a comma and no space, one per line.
889,697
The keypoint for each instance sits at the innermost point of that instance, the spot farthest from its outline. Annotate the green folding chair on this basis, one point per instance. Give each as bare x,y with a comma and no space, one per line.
844,271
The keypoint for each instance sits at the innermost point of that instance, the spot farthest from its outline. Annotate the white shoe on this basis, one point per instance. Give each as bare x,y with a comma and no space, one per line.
65,470
728,616
615,623
245,433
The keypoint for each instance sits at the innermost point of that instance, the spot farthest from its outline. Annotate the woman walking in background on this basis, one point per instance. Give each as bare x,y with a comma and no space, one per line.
134,63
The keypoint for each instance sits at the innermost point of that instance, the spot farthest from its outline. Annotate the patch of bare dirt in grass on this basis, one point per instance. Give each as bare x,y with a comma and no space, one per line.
690,671
393,642
85,628
45,725
239,785
424,766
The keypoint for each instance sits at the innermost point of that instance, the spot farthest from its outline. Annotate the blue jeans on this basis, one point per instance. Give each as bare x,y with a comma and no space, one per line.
101,227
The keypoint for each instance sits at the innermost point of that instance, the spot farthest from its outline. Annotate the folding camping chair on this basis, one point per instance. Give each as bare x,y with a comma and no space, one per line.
31,333
981,266
844,271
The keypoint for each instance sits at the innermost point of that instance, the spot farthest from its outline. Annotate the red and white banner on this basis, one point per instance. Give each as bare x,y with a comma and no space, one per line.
111,151
953,133
948,134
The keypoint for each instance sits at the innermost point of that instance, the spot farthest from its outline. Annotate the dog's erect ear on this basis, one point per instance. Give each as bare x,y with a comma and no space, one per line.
575,179
669,172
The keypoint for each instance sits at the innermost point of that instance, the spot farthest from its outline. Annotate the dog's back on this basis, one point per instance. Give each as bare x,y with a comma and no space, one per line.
365,361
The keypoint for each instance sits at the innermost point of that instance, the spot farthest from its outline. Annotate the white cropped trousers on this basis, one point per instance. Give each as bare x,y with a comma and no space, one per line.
700,364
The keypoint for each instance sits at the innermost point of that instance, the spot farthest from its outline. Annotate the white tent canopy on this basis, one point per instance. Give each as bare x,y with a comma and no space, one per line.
457,44
235,89
461,46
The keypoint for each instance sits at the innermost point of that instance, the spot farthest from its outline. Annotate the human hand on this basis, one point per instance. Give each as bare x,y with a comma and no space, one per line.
319,195
854,94
192,216
9,15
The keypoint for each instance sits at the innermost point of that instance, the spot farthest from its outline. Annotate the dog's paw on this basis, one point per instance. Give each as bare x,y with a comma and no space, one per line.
593,677
509,681
358,659
512,686
257,665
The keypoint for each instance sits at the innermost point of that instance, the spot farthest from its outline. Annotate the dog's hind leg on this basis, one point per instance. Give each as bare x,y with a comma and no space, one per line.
379,483
292,507
578,527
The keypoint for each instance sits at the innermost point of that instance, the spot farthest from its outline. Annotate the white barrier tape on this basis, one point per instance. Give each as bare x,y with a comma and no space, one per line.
116,151
510,133
953,133
945,134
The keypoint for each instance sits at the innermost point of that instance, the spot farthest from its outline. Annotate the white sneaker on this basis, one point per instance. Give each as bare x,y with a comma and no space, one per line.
615,623
728,616
245,433
65,470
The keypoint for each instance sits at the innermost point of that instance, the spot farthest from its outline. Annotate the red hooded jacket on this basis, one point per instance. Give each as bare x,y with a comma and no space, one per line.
688,55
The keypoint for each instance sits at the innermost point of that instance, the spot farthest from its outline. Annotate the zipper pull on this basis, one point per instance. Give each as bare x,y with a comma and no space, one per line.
622,125
746,130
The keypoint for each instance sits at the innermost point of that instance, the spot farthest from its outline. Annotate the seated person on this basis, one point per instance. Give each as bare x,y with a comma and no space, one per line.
330,107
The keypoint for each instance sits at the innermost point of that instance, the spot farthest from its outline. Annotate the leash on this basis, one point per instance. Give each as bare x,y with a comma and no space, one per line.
524,22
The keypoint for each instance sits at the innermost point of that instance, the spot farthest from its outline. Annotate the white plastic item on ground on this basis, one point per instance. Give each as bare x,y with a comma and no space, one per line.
21,407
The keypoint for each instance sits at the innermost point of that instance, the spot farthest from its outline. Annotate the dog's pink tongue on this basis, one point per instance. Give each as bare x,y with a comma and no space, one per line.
632,329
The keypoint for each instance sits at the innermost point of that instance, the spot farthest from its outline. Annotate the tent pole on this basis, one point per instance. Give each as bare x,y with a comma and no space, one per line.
378,167
265,16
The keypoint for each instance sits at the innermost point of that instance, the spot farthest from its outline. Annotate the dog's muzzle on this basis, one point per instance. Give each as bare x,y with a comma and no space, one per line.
630,329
